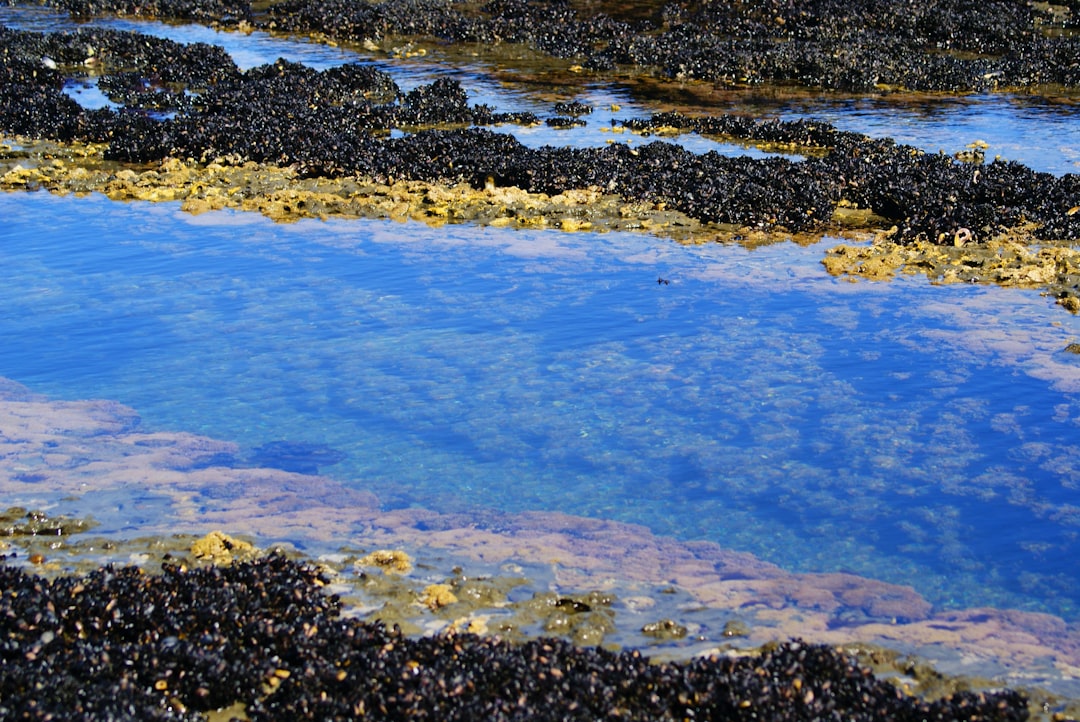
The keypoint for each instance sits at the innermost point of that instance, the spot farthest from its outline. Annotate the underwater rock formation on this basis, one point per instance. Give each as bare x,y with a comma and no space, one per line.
297,456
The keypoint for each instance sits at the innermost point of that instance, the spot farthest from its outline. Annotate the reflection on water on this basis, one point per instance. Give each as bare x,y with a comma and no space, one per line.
898,431
1042,134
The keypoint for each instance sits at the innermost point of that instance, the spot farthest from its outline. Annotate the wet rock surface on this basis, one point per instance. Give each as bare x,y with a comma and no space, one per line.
17,521
264,637
952,46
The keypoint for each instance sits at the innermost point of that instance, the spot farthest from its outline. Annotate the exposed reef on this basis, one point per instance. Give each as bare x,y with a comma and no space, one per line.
335,123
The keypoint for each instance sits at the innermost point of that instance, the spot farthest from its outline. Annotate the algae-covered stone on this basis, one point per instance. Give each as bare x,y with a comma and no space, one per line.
469,625
391,561
219,548
664,629
735,628
437,596
17,521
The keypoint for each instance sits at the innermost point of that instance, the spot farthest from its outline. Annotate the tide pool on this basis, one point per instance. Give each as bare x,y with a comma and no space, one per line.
899,431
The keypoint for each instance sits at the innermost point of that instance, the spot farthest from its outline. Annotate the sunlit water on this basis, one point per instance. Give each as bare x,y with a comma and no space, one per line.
921,435
899,431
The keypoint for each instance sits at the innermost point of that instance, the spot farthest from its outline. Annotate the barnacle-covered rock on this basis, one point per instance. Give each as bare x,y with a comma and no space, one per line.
390,561
219,548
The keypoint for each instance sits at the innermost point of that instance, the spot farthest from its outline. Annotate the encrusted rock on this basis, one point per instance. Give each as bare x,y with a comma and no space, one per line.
390,561
221,549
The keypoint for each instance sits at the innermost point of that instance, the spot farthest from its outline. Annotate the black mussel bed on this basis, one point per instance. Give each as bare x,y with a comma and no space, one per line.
191,101
264,639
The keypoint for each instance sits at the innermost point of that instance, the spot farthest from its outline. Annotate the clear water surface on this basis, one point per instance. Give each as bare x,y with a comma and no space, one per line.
900,431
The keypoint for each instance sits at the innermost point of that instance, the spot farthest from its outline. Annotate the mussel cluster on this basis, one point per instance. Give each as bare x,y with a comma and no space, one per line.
957,45
928,196
138,71
225,12
120,643
960,45
192,102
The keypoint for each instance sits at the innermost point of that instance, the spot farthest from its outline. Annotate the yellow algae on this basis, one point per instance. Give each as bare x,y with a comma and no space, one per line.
437,596
574,224
390,561
279,194
469,625
1004,261
220,548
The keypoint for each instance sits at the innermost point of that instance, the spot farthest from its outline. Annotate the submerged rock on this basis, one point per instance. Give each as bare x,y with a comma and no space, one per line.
17,521
390,561
298,456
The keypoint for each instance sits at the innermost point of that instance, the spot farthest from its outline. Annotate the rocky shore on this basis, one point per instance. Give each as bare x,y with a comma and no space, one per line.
345,135
261,640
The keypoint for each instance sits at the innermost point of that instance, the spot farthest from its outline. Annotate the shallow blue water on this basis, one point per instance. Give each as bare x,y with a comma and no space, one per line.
921,435
905,432
1041,133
